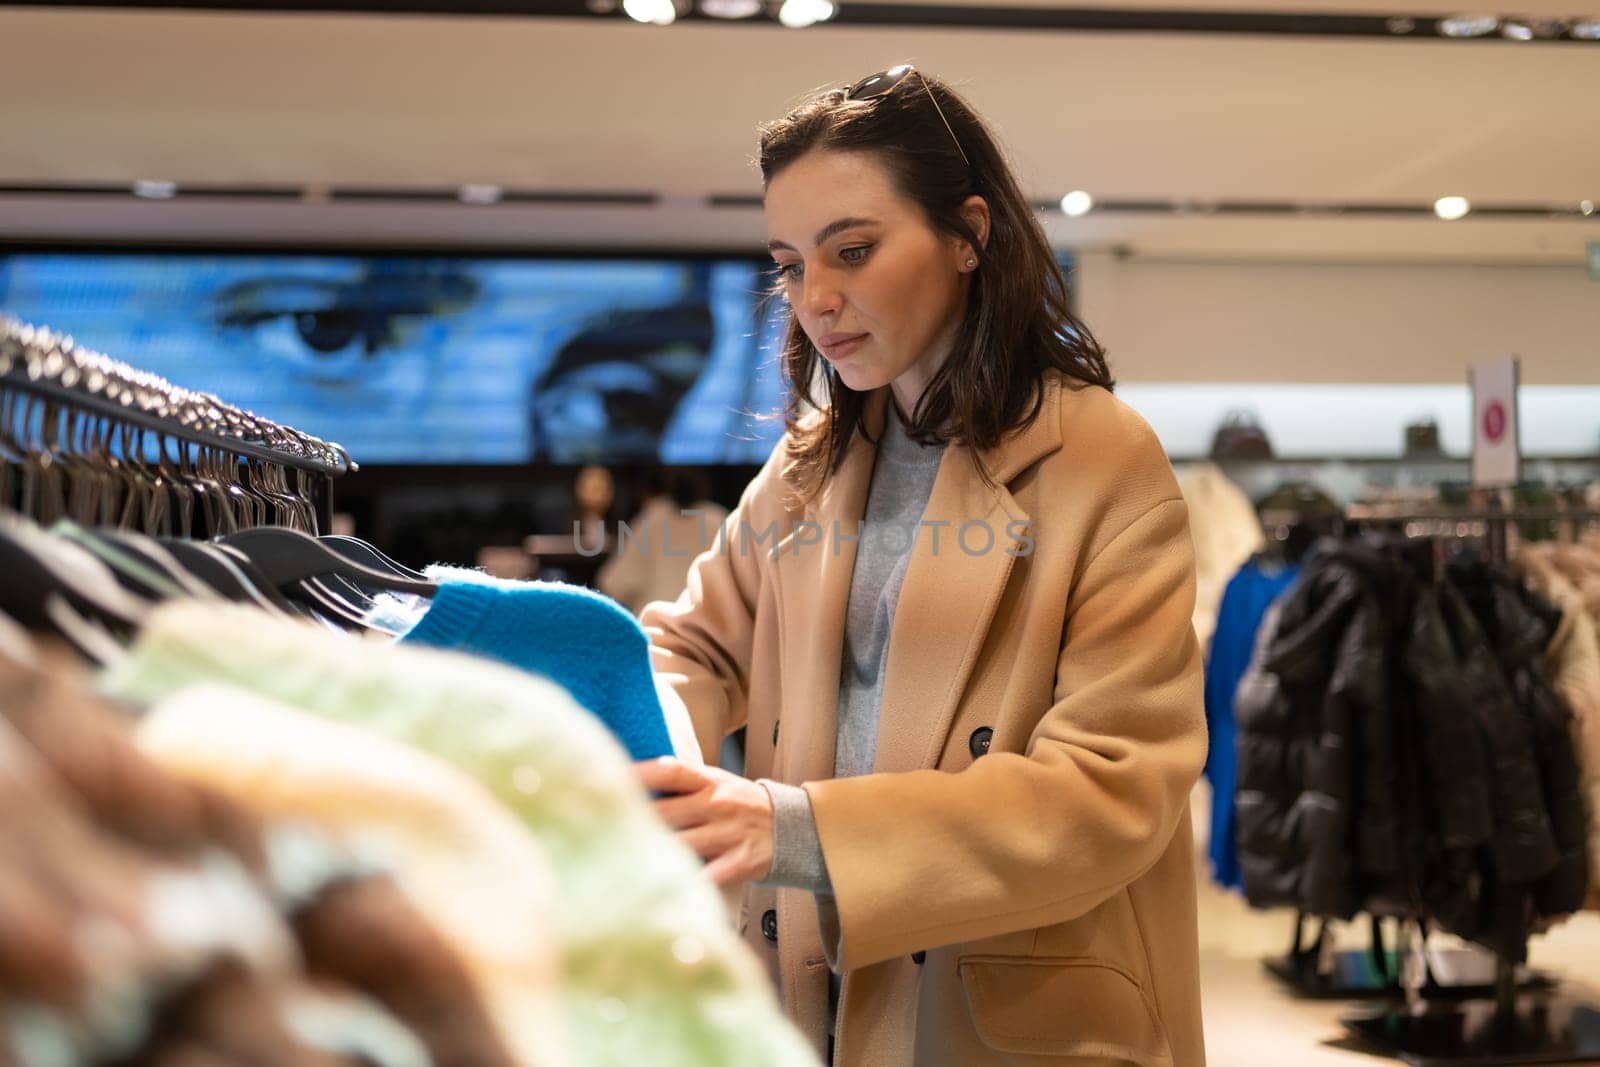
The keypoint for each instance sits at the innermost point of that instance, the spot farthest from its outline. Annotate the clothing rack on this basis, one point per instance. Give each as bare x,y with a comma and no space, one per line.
1524,1021
71,403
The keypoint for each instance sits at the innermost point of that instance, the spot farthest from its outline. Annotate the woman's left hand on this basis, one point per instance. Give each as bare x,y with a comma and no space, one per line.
725,819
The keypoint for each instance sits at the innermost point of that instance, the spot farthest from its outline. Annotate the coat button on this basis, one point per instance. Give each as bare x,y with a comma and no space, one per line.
769,926
919,958
774,735
979,745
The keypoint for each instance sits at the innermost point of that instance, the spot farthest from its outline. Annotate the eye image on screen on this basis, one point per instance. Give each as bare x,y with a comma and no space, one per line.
438,359
335,328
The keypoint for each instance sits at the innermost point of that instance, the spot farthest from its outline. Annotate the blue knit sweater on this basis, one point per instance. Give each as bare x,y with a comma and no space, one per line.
571,635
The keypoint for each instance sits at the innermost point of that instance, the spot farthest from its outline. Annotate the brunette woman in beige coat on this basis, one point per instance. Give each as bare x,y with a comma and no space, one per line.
953,611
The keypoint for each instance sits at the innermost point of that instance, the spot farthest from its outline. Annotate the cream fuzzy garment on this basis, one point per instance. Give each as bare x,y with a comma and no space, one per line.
654,974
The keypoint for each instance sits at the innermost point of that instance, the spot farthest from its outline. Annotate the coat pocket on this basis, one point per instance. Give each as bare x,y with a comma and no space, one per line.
1062,1006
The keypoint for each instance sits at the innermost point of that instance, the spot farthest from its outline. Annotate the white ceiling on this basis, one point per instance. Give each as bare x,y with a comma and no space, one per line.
604,105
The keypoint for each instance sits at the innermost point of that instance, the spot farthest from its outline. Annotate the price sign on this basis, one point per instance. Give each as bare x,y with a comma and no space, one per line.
1496,446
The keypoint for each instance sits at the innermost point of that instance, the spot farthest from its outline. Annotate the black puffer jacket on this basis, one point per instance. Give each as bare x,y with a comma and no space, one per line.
1519,625
1523,845
1401,749
1452,816
1313,739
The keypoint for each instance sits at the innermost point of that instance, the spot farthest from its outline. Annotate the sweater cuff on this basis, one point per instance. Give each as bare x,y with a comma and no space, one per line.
797,861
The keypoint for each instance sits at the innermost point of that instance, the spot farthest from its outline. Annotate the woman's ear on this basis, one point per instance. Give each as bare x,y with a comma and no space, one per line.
975,210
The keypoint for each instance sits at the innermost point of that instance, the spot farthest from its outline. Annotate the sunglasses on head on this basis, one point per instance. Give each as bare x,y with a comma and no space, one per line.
875,85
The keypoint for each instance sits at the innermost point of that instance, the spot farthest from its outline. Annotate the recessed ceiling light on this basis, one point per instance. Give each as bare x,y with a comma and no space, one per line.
155,190
730,9
1077,204
1512,30
1585,30
1586,206
656,12
1469,25
480,194
1451,208
798,14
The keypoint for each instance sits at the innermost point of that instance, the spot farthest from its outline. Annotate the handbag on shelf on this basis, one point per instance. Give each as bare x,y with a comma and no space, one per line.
1241,436
1422,440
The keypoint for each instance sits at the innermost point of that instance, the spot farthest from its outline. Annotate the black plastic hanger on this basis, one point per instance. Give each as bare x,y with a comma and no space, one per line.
48,596
257,580
288,558
124,553
231,575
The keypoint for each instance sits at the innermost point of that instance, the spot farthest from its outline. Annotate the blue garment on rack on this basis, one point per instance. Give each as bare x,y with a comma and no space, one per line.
573,636
1245,601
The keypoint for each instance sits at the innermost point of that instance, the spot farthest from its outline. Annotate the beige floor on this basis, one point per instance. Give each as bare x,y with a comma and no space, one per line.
1251,1021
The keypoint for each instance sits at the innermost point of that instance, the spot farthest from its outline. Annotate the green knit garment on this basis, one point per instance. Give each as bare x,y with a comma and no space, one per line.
653,972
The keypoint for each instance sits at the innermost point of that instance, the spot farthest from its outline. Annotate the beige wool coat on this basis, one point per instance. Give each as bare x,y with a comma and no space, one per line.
1015,881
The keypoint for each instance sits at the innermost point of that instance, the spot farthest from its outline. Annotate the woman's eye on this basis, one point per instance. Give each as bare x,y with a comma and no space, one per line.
857,254
786,271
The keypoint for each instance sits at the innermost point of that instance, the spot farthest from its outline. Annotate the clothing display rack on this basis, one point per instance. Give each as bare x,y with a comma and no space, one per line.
162,579
85,437
1519,1019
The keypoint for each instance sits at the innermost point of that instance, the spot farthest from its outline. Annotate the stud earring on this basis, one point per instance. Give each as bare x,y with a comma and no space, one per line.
971,263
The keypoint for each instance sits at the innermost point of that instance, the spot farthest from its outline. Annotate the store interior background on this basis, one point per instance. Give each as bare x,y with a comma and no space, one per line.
1336,327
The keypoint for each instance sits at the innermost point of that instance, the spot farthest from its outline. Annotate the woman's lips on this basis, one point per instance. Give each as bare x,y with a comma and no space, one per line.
842,347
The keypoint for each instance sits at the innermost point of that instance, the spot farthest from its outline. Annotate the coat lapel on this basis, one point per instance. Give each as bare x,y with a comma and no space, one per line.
952,589
946,605
816,591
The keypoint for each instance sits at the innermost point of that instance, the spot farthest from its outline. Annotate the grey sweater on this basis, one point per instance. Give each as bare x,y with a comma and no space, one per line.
902,480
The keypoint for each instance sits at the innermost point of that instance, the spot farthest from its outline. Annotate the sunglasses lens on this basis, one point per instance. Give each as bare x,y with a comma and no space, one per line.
877,84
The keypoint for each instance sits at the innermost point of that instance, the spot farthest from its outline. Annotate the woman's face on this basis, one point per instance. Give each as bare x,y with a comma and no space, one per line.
877,291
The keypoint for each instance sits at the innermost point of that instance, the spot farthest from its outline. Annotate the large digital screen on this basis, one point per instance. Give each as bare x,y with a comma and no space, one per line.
441,360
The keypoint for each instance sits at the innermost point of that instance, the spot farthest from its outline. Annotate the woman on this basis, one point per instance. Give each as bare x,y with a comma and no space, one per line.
974,746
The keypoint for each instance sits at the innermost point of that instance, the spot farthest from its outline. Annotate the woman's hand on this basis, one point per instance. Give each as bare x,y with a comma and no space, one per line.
725,819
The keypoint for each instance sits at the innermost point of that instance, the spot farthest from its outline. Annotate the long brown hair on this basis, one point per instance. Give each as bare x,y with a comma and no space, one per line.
1017,324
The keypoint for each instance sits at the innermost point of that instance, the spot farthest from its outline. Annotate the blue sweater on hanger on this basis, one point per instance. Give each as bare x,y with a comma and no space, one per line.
571,635
1245,601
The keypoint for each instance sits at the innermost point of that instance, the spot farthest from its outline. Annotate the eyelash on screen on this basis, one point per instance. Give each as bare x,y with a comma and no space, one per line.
787,271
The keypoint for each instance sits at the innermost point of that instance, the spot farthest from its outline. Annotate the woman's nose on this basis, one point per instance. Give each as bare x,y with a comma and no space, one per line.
822,294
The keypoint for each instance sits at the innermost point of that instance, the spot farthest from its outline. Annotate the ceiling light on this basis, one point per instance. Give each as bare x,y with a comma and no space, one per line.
480,194
798,14
1077,204
1516,31
657,12
730,9
1451,208
154,190
1586,206
1469,25
1585,30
